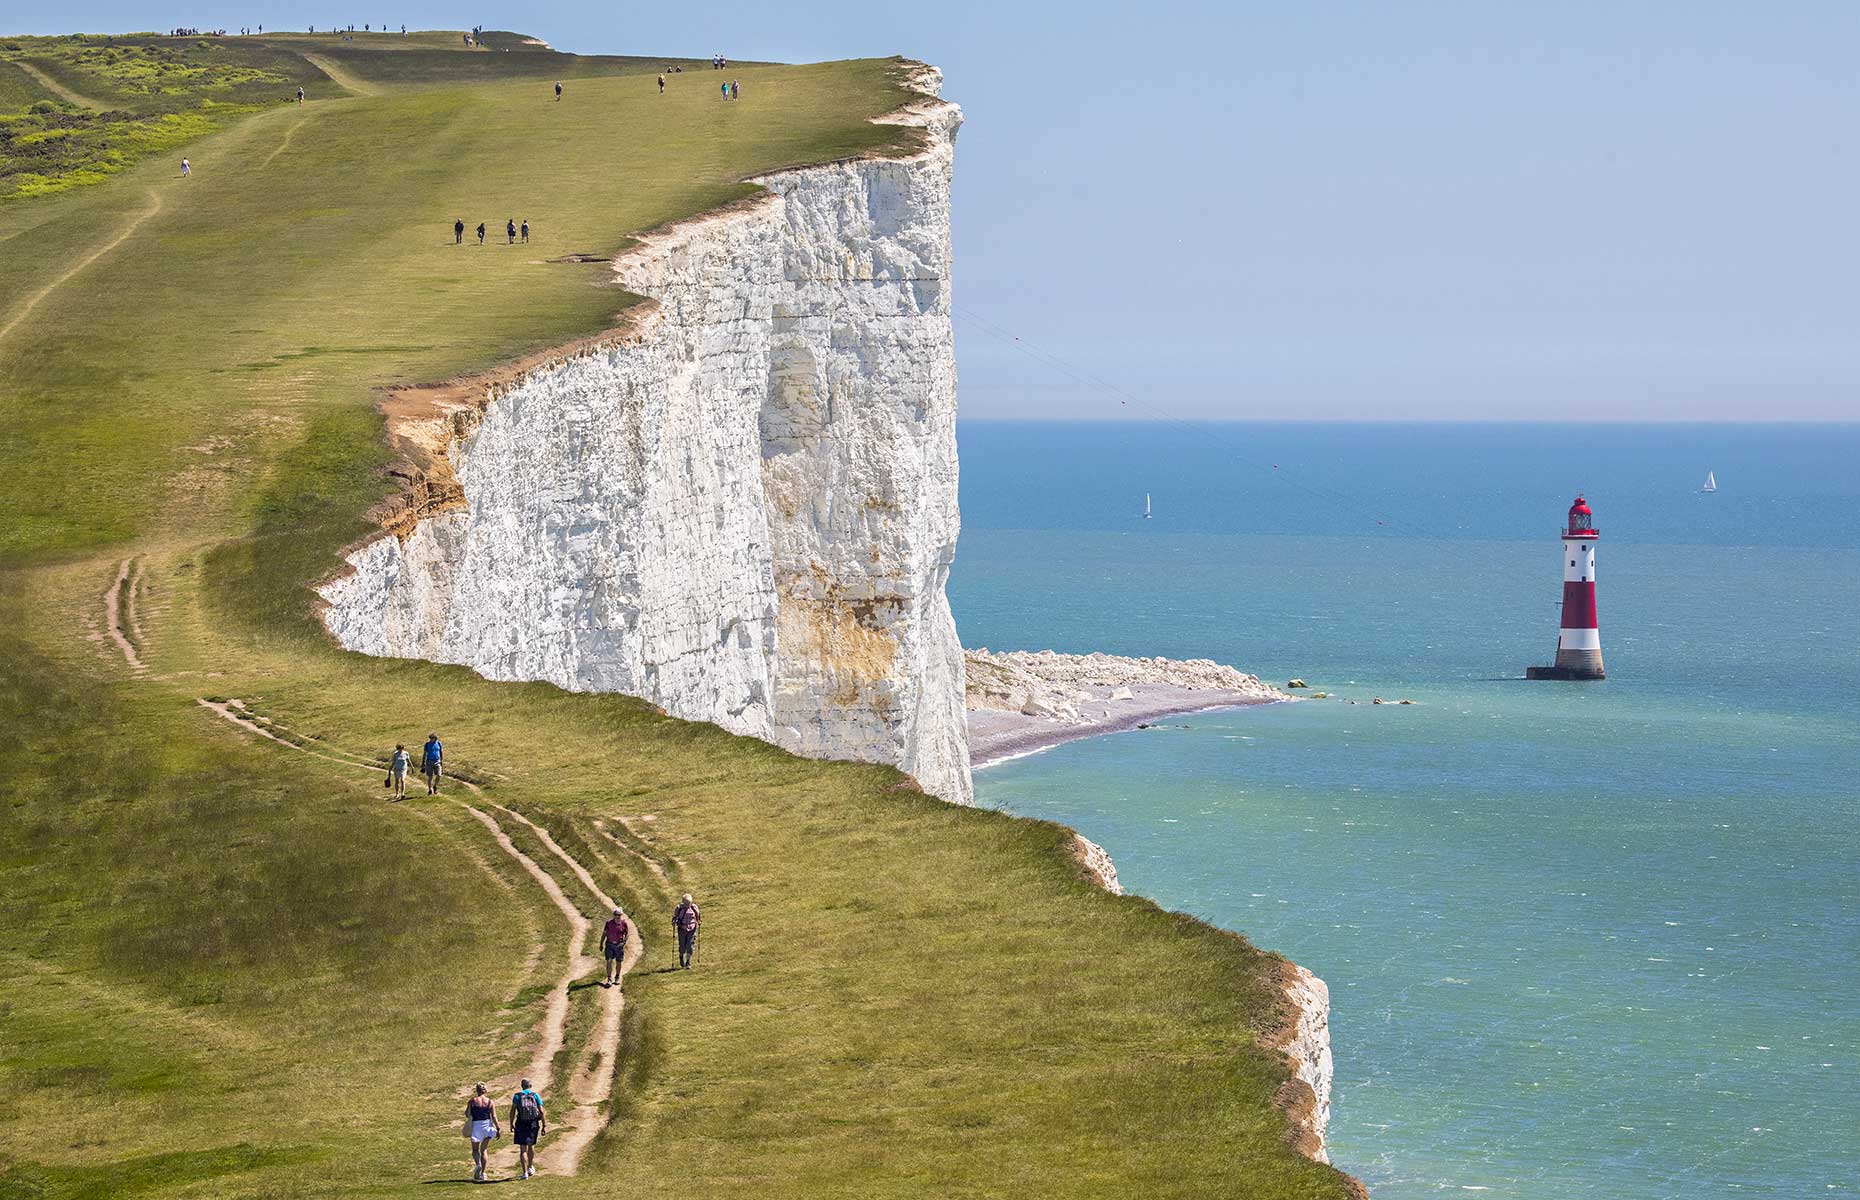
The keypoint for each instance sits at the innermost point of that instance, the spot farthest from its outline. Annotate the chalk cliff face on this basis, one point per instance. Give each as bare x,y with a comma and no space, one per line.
742,508
1308,1046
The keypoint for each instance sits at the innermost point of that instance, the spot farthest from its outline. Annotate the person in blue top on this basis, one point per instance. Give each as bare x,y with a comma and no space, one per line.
431,756
527,1123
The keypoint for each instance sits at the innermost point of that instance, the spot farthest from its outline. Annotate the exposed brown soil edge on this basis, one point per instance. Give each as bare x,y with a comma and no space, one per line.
1081,859
1294,1097
425,423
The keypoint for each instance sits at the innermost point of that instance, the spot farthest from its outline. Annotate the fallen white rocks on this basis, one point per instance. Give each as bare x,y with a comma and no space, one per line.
1047,684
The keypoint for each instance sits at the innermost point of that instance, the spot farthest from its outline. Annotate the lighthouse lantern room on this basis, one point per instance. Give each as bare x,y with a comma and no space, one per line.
1579,641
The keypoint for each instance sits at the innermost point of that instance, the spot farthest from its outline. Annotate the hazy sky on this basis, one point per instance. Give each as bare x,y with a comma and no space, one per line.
1300,209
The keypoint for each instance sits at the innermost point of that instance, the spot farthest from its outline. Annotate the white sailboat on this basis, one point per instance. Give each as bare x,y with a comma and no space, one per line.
1711,483
1146,506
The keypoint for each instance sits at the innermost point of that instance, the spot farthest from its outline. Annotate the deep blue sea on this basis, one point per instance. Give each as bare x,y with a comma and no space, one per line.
1583,939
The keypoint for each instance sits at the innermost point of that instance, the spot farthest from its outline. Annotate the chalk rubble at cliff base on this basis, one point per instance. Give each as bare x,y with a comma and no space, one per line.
1021,701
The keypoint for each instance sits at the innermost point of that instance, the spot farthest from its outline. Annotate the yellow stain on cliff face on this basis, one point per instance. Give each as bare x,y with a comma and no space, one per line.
848,642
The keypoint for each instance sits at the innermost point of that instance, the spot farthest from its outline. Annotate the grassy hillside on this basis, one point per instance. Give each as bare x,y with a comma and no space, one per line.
232,969
76,110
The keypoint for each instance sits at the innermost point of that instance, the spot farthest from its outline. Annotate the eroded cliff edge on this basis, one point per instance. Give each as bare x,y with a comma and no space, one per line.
1303,1037
741,507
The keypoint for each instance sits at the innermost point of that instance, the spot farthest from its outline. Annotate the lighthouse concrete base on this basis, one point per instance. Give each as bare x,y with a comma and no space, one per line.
1563,673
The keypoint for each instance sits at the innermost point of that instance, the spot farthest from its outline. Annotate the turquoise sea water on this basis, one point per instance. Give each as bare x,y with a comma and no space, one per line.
1583,940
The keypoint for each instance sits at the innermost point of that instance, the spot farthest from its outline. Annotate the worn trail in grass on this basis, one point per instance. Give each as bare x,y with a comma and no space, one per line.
59,89
592,1085
342,77
122,235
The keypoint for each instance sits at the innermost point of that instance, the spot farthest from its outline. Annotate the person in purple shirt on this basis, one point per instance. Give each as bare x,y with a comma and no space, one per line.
613,946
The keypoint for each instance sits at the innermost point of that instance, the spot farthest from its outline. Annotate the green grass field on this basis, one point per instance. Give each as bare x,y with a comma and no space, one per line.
231,969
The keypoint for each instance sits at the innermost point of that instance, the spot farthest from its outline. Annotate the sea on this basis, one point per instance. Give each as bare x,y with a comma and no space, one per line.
1582,939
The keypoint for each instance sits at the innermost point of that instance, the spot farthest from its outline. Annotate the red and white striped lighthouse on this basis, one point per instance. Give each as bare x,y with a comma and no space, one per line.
1579,642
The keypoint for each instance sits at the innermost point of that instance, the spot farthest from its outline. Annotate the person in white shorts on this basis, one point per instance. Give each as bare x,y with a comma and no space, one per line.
480,1127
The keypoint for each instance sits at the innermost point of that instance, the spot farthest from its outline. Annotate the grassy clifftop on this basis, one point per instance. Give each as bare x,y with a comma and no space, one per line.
231,969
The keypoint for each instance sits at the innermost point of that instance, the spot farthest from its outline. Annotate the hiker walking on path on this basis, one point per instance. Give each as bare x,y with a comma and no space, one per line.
480,1127
432,756
685,920
527,1123
558,92
398,763
458,231
510,230
526,232
300,95
613,945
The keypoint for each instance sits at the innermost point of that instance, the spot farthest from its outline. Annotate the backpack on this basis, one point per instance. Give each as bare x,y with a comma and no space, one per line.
529,1108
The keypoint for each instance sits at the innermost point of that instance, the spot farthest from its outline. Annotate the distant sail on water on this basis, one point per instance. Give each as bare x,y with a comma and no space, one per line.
1711,483
1146,506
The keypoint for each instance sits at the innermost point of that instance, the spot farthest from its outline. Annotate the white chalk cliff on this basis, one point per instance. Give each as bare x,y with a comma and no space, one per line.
742,508
1308,1047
